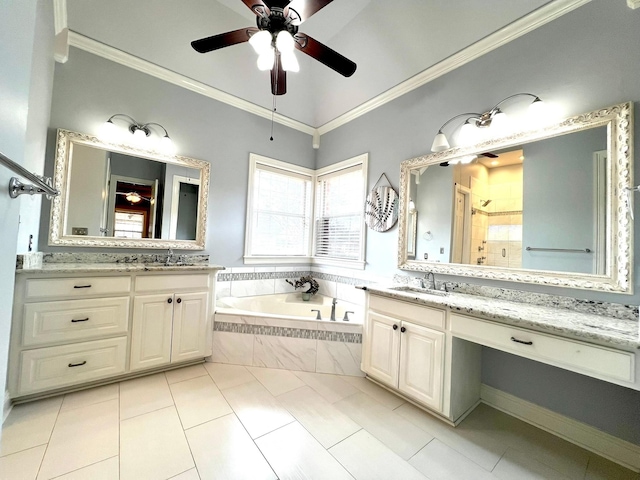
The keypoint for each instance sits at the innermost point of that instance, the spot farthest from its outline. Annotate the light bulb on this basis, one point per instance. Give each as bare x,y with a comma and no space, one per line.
468,133
108,131
289,62
266,59
167,146
261,41
440,143
139,135
285,42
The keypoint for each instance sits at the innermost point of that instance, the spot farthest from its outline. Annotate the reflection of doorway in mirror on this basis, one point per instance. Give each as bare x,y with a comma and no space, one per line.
461,235
131,196
184,208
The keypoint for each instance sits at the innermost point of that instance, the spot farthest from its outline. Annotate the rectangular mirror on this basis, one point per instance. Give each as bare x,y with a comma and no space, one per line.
548,206
122,196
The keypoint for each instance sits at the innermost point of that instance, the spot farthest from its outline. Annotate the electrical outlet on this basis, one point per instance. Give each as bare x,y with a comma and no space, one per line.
441,249
426,256
79,231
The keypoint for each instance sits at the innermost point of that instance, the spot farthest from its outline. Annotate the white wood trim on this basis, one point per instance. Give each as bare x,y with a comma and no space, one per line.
6,406
61,46
633,4
505,35
60,15
615,449
175,202
105,51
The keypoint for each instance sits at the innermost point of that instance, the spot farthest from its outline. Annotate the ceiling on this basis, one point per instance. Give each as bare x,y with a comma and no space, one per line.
390,41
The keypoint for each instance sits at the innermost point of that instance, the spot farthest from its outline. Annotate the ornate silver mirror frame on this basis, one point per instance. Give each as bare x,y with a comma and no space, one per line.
618,275
57,236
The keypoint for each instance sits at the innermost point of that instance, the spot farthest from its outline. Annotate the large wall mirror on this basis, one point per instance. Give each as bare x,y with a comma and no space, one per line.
122,196
549,206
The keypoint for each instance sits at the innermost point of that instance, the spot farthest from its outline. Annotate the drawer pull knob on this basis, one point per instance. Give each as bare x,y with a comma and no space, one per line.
395,327
169,300
80,320
403,329
82,286
514,339
179,300
77,364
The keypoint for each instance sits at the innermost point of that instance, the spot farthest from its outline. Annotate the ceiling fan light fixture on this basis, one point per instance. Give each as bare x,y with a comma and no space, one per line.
261,41
285,42
289,62
133,197
266,59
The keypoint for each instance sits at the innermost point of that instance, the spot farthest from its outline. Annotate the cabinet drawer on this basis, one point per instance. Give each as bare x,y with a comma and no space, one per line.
425,316
76,287
154,283
592,360
53,367
72,320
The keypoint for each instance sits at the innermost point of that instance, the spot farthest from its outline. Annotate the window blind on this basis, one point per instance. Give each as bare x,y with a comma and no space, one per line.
339,208
280,212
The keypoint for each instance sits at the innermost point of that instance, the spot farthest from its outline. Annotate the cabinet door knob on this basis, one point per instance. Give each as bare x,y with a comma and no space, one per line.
395,327
403,329
179,300
170,300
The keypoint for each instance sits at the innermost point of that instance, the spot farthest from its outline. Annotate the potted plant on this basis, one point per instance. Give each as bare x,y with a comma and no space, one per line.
301,282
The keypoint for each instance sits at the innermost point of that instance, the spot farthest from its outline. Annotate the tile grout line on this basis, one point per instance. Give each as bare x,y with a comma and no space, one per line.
50,435
86,466
182,425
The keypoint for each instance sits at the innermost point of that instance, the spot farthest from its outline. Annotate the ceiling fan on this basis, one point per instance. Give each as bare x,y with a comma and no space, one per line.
279,20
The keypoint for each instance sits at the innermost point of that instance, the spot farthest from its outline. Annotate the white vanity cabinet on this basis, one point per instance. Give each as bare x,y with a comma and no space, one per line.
406,347
71,330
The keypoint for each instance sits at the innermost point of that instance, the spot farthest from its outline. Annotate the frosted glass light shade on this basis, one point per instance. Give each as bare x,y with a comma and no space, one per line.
261,41
289,62
440,143
499,122
468,134
284,42
266,59
108,131
167,146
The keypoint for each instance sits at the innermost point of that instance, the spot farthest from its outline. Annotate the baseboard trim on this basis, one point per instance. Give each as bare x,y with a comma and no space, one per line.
615,449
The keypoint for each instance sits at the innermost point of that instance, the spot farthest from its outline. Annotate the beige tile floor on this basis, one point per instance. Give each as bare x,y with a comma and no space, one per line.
216,421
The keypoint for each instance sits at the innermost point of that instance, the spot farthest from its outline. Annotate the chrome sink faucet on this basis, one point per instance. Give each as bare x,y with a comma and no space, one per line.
429,281
169,257
333,310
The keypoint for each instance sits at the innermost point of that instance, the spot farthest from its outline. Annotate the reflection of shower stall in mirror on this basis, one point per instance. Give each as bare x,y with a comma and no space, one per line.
461,234
184,208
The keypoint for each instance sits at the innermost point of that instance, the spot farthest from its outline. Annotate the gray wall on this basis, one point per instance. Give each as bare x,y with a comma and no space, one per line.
21,130
564,62
558,200
434,213
87,90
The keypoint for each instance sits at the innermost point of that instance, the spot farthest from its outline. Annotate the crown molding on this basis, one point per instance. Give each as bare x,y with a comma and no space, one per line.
105,51
59,15
633,4
505,35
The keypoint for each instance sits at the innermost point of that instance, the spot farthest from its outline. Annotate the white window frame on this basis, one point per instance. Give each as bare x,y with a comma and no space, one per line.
249,259
359,264
310,258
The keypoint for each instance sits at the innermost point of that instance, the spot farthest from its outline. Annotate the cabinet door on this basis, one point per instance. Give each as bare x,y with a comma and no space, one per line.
422,364
190,323
382,349
151,331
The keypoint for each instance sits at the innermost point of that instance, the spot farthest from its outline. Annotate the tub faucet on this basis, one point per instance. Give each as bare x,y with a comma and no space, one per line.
333,310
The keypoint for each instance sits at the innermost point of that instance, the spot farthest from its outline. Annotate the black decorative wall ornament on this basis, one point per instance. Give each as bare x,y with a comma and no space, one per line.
381,210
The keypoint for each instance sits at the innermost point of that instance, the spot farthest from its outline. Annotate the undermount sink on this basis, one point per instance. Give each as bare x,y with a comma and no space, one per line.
428,291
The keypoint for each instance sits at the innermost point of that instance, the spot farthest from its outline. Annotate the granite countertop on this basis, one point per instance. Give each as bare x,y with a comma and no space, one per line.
593,328
116,267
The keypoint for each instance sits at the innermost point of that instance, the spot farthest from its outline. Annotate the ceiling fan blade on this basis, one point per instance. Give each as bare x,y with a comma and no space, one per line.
324,54
305,8
258,7
489,155
274,3
278,78
222,40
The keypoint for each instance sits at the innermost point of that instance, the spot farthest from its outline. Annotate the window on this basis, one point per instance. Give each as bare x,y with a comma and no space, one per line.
339,212
279,213
279,209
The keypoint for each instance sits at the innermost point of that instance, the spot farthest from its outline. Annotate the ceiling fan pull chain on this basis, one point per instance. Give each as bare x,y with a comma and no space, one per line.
273,112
